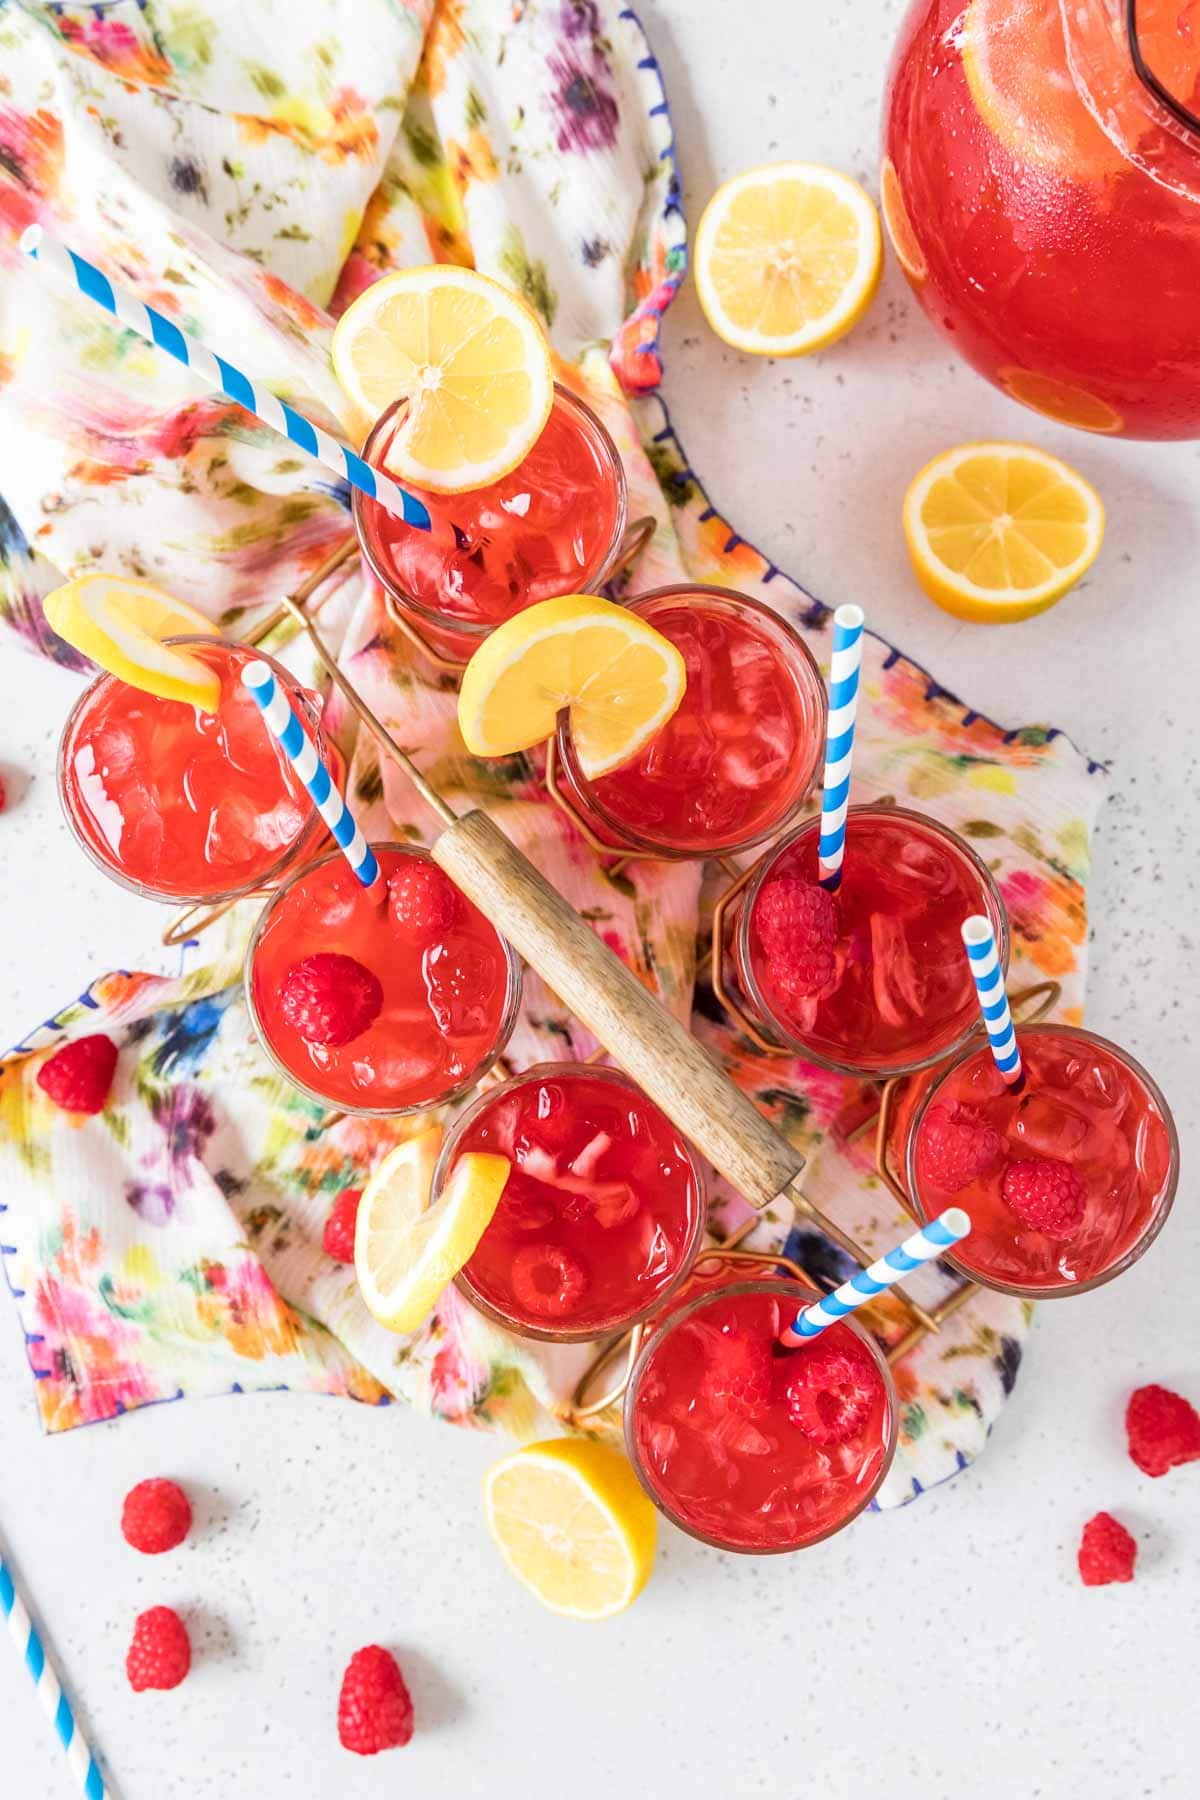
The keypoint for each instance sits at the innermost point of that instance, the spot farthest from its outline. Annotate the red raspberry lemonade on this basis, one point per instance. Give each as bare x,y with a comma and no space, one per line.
179,803
870,980
1067,1181
736,760
380,1007
750,1446
551,526
602,1213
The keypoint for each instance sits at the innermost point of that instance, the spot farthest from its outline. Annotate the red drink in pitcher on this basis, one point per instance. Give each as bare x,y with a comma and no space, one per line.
178,803
602,1213
737,759
747,1445
1044,202
871,980
551,526
1067,1180
424,1008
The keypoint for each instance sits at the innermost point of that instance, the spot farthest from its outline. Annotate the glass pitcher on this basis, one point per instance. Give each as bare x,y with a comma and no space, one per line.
1041,185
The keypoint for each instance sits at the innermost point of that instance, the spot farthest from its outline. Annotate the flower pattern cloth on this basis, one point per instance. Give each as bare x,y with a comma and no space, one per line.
248,171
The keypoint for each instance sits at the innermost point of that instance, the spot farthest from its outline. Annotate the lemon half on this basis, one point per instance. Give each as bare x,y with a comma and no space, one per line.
1000,531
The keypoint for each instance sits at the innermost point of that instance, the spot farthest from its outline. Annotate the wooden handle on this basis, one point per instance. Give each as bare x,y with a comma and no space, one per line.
638,1032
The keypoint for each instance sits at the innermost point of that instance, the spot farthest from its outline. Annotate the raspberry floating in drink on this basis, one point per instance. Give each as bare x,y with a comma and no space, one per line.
871,980
748,1445
602,1211
1067,1177
740,753
371,1012
177,802
552,526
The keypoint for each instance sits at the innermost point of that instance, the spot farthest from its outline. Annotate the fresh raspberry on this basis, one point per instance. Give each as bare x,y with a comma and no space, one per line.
957,1145
830,1391
1106,1552
79,1076
424,902
798,925
329,998
3,794
1047,1196
547,1281
338,1238
1163,1430
739,1371
160,1654
375,1709
155,1517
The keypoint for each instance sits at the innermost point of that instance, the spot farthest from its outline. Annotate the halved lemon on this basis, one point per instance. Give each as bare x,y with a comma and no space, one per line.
998,532
620,678
472,361
572,1523
787,258
407,1252
121,625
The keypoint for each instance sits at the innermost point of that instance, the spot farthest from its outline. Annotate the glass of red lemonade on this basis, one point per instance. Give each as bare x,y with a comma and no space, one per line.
602,1215
737,760
553,525
1068,1178
870,980
181,804
743,1443
380,1004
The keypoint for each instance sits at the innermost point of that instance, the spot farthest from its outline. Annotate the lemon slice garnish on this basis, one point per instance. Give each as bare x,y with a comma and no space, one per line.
121,625
407,1252
621,679
469,357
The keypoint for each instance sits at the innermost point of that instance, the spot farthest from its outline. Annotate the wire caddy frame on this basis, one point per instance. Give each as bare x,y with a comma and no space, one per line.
664,1058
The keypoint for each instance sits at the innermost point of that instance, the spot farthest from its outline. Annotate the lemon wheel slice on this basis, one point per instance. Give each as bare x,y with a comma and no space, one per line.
998,532
121,625
573,1525
407,1252
620,678
469,357
788,258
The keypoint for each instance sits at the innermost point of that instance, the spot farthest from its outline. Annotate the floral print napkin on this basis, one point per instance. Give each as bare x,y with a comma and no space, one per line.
250,184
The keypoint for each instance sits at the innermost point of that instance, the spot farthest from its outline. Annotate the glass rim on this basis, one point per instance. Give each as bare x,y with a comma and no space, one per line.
804,1294
508,1018
745,967
1140,1245
312,825
473,634
791,644
592,1071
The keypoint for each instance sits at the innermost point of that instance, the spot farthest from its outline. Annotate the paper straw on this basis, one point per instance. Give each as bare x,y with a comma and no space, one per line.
980,940
58,257
298,747
839,741
948,1228
54,1702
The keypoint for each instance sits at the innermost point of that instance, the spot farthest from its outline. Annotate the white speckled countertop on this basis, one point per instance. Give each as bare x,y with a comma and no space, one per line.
946,1650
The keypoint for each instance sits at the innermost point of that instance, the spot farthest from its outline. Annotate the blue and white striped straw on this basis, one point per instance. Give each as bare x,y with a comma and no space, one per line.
52,254
54,1702
980,940
300,751
839,741
940,1234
